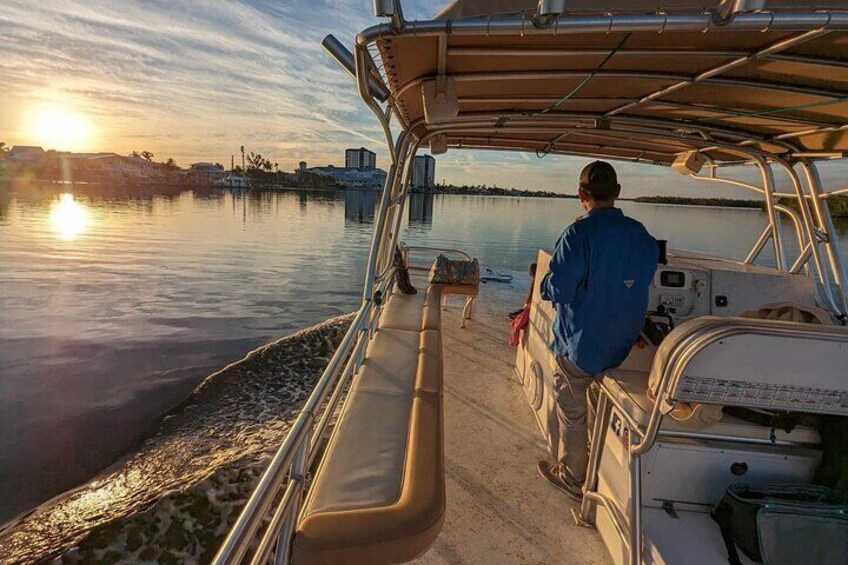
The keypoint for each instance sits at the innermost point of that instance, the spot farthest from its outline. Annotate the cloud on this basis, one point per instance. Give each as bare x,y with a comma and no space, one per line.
175,73
195,80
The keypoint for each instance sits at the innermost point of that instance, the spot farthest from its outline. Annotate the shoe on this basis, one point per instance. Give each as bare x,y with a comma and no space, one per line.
551,474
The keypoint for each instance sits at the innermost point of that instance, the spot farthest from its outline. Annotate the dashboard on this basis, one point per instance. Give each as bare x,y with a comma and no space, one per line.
690,286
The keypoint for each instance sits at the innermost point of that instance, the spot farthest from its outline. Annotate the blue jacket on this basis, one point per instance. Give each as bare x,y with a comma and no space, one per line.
600,272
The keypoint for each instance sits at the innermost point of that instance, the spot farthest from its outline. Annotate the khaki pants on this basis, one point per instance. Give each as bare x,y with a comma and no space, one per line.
571,386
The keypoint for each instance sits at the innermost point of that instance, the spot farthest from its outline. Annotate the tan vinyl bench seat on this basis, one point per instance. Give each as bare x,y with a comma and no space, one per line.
379,494
629,389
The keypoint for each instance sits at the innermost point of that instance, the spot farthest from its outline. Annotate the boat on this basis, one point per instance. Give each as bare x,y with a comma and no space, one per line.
233,180
417,443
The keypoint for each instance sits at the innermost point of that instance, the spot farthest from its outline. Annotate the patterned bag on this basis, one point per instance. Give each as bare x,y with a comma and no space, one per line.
445,271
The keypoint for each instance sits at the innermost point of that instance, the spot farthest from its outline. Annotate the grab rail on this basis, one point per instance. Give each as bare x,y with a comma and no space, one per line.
294,456
438,250
408,249
700,336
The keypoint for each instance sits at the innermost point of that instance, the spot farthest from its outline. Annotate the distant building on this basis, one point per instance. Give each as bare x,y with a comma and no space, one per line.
350,177
424,172
301,166
111,166
28,153
84,167
360,159
365,178
206,173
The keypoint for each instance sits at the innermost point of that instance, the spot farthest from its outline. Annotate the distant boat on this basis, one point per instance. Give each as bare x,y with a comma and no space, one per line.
233,181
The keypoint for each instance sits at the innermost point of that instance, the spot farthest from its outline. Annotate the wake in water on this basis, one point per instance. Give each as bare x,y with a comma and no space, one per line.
172,500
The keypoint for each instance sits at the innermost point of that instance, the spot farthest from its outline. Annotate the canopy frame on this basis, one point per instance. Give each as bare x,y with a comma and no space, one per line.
619,134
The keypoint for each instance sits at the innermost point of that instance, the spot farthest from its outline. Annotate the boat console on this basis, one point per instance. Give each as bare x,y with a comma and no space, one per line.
691,285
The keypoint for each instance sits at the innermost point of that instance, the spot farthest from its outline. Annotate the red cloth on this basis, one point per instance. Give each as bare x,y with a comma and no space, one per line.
518,324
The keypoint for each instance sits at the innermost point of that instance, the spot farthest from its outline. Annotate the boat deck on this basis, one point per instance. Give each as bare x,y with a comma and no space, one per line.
498,508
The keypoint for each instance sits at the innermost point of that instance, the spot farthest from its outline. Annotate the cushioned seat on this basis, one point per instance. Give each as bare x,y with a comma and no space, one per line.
429,377
404,311
414,312
379,495
629,388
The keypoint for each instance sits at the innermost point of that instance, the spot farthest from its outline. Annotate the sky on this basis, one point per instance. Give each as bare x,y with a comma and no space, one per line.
194,80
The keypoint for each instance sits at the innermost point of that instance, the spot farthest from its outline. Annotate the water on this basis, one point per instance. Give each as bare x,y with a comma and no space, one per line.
113,308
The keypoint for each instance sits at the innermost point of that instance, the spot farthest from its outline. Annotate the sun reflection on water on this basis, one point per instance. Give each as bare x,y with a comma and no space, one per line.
68,217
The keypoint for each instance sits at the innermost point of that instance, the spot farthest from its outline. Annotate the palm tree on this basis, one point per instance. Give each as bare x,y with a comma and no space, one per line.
170,163
147,155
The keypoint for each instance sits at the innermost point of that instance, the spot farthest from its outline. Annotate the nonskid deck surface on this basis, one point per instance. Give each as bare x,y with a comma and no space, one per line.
498,509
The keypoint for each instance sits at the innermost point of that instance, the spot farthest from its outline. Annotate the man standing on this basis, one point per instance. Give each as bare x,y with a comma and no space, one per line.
599,277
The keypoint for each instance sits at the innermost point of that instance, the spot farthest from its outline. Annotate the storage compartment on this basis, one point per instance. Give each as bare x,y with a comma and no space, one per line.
685,478
692,475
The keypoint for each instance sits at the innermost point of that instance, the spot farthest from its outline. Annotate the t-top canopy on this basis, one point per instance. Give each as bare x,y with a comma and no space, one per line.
471,8
631,80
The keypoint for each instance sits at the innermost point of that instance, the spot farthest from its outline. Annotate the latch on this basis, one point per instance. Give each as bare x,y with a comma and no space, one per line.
668,506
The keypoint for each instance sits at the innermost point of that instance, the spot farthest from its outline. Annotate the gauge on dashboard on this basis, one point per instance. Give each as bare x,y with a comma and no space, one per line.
672,279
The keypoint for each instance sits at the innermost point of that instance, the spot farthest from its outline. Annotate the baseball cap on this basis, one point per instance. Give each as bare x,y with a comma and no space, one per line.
599,179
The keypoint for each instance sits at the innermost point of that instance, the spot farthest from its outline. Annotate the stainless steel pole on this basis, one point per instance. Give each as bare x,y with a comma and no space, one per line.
812,236
825,221
597,448
774,221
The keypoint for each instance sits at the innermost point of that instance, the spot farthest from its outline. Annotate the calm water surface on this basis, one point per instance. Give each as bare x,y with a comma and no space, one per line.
113,309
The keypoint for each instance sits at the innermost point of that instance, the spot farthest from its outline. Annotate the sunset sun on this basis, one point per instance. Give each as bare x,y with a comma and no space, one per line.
60,128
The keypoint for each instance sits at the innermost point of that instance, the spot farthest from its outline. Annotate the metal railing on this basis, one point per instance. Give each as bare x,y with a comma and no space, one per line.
814,230
409,250
292,460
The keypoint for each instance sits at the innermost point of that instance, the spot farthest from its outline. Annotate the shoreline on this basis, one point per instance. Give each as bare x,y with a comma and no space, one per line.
106,189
